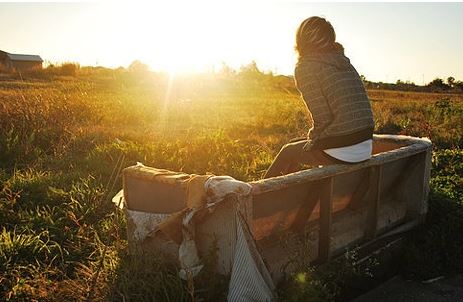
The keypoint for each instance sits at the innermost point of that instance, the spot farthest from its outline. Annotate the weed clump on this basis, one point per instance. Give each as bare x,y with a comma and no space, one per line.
332,281
436,248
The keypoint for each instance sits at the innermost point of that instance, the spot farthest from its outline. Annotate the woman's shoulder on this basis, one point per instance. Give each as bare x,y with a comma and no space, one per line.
305,67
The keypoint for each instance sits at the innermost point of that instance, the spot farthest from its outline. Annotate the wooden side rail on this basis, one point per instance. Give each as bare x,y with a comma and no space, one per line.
326,208
411,146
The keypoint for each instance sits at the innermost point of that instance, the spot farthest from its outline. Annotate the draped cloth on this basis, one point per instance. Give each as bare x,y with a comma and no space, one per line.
250,279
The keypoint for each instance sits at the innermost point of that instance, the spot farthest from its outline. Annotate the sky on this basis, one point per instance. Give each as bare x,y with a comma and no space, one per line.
385,41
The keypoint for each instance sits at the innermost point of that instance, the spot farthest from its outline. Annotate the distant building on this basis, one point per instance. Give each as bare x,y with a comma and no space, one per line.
18,62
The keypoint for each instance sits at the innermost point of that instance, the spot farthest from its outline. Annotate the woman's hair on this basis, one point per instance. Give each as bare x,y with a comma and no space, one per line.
316,35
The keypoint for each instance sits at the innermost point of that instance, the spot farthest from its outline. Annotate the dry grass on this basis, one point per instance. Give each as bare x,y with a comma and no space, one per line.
64,139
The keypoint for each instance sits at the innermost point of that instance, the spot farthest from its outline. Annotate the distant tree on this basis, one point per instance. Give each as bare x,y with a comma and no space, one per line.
459,85
251,73
365,82
438,84
451,81
250,69
226,70
138,67
69,69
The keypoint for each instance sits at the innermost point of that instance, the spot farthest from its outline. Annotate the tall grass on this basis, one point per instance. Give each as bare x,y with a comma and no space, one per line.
64,139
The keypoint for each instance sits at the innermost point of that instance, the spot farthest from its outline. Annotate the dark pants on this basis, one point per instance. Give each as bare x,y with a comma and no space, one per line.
292,157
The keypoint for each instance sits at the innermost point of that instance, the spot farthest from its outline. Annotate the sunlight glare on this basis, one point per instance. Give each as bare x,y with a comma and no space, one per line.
177,36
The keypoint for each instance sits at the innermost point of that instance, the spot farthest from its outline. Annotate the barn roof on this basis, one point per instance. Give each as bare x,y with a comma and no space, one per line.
29,58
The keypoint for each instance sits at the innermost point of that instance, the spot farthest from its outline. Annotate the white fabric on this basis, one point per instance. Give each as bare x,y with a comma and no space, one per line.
217,187
352,154
187,252
250,279
144,222
118,199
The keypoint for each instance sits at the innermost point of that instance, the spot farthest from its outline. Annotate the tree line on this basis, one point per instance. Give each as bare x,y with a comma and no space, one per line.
450,85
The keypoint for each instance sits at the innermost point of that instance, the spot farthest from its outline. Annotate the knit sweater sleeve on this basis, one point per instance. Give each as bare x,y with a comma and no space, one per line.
308,84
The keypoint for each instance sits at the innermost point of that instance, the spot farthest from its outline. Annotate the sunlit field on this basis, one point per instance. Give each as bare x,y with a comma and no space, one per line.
65,135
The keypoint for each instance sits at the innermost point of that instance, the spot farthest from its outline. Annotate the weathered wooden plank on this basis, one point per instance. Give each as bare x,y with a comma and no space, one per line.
426,178
326,202
361,191
411,147
244,205
307,207
399,185
421,185
373,201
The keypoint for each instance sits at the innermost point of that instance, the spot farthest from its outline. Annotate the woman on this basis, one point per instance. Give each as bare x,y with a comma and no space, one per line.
335,96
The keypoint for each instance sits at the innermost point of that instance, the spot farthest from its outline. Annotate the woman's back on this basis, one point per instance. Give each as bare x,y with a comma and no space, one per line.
336,99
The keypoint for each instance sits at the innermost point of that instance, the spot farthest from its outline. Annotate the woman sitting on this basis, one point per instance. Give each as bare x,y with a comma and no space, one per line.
336,99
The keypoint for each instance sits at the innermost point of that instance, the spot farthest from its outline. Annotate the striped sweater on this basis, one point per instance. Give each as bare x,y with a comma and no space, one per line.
336,98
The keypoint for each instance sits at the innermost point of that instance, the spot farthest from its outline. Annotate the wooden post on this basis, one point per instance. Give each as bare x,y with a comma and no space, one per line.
373,201
417,175
324,235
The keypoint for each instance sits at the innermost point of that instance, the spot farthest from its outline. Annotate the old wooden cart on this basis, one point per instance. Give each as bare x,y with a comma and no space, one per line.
318,213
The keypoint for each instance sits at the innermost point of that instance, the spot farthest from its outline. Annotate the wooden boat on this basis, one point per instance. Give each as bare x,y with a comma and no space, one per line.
313,215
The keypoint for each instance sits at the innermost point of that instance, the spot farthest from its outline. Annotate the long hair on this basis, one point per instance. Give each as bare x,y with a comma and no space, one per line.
316,35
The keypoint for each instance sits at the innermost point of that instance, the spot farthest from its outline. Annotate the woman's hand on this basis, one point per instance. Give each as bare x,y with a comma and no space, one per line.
309,145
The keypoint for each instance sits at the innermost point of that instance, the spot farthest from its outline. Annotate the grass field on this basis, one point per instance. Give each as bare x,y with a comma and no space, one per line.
64,139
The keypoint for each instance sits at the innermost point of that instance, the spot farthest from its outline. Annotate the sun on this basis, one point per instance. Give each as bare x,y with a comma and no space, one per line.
176,36
181,36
